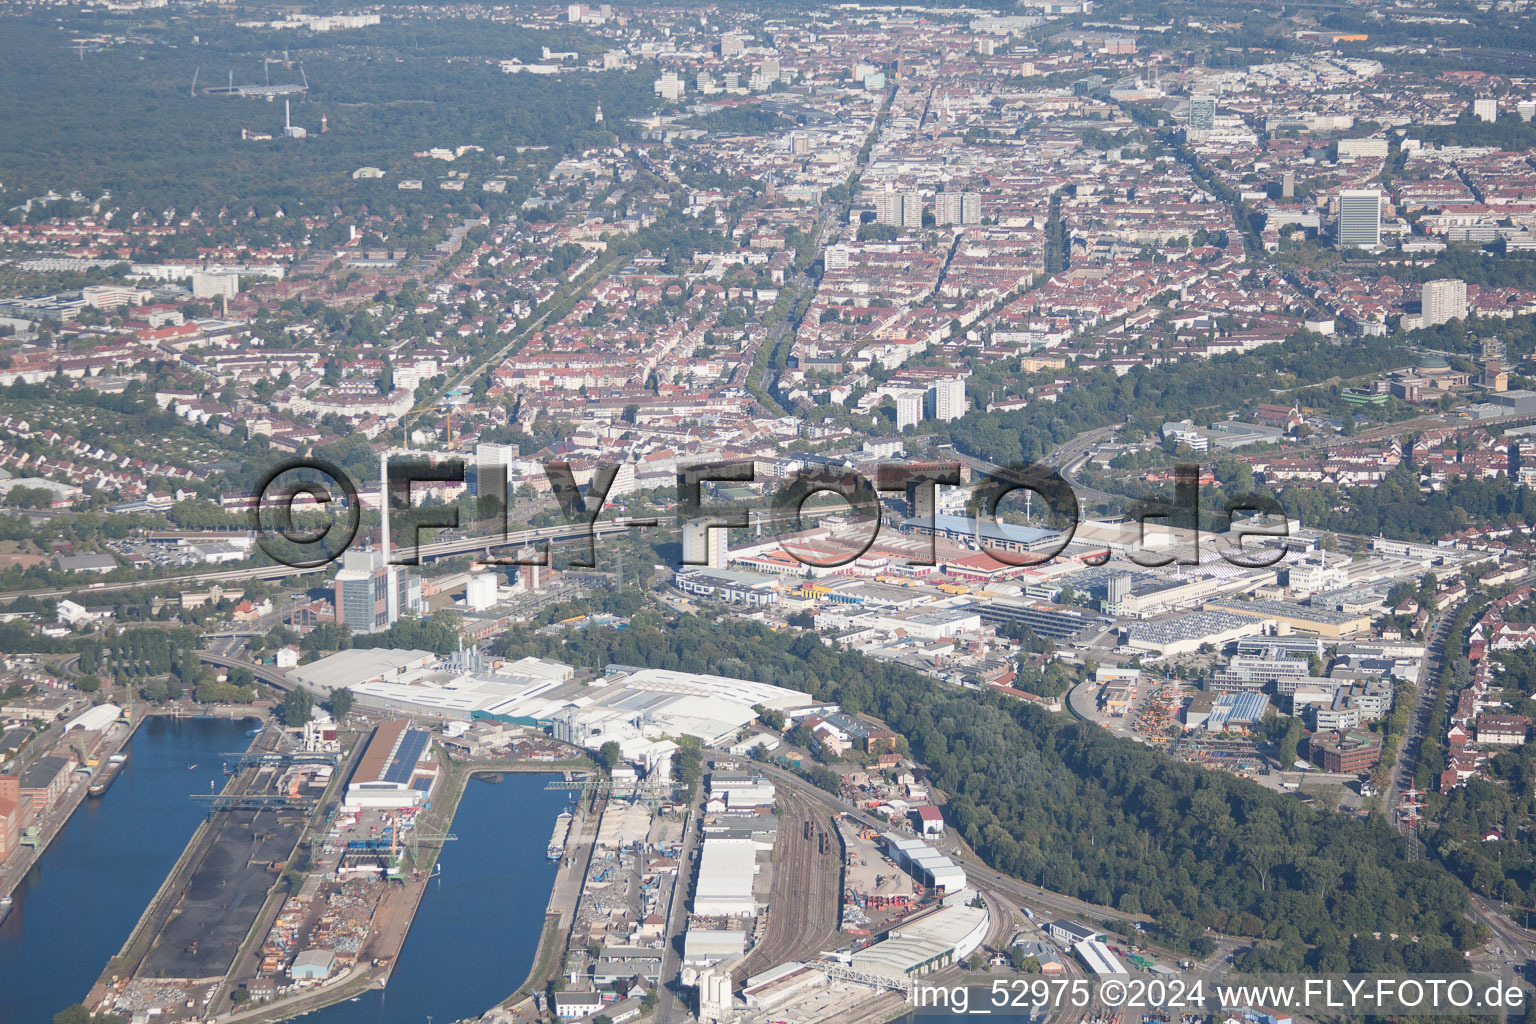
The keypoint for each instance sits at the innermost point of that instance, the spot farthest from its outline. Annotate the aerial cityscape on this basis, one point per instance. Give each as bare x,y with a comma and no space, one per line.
767,513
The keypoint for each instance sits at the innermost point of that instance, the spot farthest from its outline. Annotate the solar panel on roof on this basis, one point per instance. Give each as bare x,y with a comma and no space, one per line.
412,743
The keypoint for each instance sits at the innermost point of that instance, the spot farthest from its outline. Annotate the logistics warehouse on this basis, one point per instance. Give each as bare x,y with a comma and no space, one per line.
638,708
396,772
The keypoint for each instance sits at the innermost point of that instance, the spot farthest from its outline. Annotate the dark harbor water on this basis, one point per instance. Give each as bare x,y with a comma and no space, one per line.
474,937
471,944
77,906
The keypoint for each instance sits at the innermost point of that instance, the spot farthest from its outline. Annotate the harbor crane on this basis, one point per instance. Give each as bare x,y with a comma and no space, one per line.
413,842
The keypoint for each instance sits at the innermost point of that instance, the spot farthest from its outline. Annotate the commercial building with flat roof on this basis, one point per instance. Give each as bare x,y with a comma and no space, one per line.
926,942
933,623
1324,622
353,668
927,866
724,886
395,771
736,586
1355,750
987,533
1052,623
1188,633
1068,932
703,947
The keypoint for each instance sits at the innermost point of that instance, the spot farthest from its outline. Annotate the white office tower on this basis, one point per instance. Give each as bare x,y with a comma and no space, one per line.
1202,113
488,453
946,399
1485,108
1443,301
731,45
836,257
704,546
957,208
1360,218
370,595
888,208
909,409
207,284
670,86
493,462
480,593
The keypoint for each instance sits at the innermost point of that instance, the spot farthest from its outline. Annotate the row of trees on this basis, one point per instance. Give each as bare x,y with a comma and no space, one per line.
1397,507
1148,396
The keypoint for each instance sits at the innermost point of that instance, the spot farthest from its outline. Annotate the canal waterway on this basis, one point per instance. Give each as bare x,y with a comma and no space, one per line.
472,942
475,935
75,909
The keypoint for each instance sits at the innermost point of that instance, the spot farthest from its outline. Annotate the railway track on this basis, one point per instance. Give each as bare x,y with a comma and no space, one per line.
805,905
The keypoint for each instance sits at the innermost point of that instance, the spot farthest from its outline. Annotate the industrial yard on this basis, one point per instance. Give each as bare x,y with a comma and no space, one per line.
733,888
188,939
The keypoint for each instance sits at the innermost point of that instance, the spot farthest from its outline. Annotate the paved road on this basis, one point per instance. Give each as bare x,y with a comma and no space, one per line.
667,1010
494,543
1403,771
264,673
1063,455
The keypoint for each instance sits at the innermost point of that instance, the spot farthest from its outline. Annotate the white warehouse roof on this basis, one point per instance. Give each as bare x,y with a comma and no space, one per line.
95,719
930,942
1098,958
726,870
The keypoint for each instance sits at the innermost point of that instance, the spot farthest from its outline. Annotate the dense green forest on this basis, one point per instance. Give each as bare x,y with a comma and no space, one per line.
125,118
1104,819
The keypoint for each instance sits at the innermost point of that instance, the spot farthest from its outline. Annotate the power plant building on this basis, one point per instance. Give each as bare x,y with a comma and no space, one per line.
370,595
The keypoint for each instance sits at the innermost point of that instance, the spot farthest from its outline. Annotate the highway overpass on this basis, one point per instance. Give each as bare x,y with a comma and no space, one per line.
488,544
